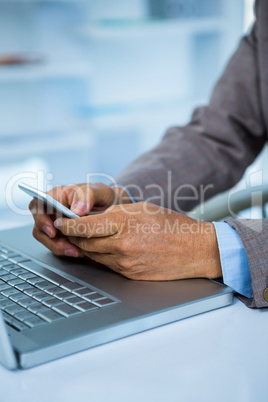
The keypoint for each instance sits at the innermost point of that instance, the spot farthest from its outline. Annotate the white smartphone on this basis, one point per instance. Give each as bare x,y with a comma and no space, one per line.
40,195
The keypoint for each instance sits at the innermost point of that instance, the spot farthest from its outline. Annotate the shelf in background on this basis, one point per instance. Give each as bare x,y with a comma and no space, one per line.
13,148
44,71
41,1
139,28
128,109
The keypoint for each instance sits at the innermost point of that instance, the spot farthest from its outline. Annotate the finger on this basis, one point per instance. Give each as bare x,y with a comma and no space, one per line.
43,221
44,216
60,194
100,225
59,246
102,245
83,200
104,195
96,197
65,195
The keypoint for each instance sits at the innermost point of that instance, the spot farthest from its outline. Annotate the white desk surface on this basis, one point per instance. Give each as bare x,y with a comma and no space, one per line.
217,356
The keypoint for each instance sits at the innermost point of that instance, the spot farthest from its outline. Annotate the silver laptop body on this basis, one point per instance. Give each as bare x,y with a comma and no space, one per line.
134,306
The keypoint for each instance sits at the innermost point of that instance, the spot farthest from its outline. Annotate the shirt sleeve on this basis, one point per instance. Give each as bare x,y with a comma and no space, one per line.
234,260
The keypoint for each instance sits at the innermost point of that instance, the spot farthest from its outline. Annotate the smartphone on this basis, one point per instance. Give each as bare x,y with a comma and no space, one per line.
40,195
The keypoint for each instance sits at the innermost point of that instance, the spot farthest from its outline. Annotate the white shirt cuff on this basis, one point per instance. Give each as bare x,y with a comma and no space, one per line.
234,261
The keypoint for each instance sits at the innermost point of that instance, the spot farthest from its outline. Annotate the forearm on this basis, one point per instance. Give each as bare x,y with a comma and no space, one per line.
210,154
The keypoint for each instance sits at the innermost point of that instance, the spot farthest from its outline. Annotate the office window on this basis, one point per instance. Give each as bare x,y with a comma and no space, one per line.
86,86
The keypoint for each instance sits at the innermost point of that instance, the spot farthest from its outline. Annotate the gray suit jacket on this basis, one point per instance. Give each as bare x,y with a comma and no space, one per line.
214,149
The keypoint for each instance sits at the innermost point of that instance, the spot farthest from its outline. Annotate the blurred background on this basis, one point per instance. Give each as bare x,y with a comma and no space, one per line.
86,86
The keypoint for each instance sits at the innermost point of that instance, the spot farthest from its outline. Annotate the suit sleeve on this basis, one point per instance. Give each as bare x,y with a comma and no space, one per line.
254,236
210,154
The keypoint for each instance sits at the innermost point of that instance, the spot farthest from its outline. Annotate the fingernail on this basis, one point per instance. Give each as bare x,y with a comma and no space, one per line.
80,206
70,252
48,230
57,223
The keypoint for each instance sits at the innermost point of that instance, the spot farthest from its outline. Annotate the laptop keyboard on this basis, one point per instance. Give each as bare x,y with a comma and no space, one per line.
32,295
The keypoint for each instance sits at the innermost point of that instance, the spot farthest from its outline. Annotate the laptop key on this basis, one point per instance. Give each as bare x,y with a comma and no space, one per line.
35,279
32,291
71,286
36,307
66,310
46,273
24,286
83,291
8,257
18,258
23,315
86,306
9,267
74,300
8,253
19,271
7,277
14,323
44,285
17,297
41,296
51,302
5,263
14,309
34,321
27,302
63,295
93,296
16,281
104,302
50,316
23,299
4,286
9,292
6,303
27,276
3,272
39,309
53,290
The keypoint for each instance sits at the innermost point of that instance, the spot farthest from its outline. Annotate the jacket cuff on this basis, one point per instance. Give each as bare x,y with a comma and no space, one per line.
254,236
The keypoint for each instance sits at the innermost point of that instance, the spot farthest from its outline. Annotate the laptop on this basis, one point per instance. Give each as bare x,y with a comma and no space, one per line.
52,307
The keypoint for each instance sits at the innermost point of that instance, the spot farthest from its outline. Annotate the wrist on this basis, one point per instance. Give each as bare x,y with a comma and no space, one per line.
205,256
213,269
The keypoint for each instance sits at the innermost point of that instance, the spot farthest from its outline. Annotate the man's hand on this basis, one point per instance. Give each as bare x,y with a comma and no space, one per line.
81,199
146,242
